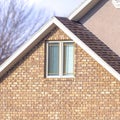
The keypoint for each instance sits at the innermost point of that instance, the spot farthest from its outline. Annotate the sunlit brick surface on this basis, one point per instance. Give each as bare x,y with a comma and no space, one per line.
26,94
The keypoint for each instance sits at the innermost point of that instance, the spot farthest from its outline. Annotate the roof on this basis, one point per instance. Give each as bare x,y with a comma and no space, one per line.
79,34
85,7
93,42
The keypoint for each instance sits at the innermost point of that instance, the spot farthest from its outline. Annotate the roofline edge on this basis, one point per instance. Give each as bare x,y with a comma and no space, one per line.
41,34
82,10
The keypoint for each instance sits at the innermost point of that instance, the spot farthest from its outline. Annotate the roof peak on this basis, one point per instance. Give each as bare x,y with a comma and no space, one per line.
79,34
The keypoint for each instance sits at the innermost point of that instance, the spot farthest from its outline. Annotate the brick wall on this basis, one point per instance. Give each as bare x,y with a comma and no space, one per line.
25,93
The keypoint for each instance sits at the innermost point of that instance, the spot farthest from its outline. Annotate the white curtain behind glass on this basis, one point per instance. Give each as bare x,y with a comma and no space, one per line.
68,58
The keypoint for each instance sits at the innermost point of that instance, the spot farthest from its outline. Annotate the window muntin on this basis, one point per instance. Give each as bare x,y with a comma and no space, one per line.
60,59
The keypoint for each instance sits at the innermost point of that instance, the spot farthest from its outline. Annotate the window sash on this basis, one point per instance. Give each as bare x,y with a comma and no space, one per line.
68,58
53,59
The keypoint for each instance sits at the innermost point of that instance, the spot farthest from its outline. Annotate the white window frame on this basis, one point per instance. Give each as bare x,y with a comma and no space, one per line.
60,60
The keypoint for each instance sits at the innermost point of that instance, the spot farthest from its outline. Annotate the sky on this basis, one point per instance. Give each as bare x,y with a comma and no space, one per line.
46,9
42,11
50,8
60,7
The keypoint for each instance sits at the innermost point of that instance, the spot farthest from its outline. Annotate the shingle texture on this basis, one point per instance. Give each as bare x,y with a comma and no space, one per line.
93,42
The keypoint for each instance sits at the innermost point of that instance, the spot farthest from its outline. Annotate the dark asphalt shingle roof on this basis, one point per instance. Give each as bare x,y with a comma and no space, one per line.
93,42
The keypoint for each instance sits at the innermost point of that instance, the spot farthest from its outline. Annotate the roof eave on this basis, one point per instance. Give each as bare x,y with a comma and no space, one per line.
83,9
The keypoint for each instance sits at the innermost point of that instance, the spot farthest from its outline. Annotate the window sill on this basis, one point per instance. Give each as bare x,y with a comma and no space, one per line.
61,77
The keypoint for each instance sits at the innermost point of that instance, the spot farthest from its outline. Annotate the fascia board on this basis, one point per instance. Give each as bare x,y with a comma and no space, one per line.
83,9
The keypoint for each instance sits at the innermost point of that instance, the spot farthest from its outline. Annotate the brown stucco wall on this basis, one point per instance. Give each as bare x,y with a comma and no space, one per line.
104,22
25,93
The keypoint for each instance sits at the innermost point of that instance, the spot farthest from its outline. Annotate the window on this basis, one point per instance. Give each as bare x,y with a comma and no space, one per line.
60,59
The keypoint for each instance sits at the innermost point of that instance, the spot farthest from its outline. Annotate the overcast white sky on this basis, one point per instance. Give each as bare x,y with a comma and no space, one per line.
61,7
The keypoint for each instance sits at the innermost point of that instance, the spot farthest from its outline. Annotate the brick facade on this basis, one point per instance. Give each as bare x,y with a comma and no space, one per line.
26,93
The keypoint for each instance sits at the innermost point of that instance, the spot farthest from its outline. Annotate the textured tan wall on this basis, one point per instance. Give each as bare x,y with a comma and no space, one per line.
105,24
25,94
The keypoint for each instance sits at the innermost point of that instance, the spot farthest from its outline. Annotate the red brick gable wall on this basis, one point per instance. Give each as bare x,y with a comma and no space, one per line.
26,94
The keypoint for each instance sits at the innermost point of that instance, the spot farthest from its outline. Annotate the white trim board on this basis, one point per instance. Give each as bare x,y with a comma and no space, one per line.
83,9
42,33
116,3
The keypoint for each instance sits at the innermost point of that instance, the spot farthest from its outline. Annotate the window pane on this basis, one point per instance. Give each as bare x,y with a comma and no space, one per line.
53,59
68,58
